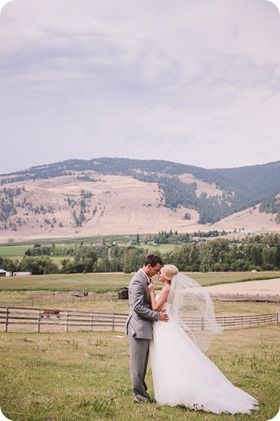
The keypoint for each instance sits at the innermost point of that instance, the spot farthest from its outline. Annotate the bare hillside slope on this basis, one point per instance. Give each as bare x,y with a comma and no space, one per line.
69,206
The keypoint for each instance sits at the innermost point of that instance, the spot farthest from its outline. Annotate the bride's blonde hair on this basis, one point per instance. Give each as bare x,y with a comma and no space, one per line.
168,271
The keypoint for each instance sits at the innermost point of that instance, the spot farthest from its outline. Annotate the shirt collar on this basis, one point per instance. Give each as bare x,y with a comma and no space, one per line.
148,279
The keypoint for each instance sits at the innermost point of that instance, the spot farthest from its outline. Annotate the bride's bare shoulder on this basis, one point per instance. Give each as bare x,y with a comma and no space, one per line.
166,288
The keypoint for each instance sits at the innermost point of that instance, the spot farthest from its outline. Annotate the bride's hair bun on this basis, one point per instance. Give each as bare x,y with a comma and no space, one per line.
168,271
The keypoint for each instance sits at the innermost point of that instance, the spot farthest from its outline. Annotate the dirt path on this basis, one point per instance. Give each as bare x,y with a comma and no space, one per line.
264,287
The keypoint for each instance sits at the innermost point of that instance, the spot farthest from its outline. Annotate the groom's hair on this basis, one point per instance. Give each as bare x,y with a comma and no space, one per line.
153,260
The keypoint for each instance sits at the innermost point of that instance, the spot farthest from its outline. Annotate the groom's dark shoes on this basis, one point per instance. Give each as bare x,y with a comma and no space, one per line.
140,399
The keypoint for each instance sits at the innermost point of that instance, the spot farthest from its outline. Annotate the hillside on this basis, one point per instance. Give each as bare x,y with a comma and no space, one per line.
120,196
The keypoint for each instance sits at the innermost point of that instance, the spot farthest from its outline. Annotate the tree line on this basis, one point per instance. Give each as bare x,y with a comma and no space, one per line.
260,252
271,204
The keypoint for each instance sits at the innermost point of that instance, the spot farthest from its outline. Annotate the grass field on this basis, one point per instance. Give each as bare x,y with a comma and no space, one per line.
69,241
102,282
13,252
102,303
85,376
18,249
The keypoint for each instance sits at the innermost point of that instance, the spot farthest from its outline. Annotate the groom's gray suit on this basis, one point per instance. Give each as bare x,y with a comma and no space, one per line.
139,328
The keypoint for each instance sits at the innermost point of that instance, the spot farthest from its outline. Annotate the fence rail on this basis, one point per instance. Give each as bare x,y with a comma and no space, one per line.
53,320
247,320
44,320
46,298
268,298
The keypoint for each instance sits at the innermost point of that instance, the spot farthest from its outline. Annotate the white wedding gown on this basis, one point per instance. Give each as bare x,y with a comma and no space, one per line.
183,375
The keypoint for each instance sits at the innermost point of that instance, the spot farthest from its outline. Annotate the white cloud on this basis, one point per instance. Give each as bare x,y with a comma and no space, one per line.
193,81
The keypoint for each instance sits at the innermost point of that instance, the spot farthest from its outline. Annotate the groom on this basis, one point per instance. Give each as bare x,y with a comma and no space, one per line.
139,325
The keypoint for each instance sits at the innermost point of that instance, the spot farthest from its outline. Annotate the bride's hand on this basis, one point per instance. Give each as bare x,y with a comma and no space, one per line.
151,287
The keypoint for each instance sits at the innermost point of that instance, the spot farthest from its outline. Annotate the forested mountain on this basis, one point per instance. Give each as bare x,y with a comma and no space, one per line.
253,181
259,180
209,195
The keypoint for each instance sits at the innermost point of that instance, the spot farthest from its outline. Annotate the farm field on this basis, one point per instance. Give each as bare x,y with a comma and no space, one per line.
85,376
13,252
62,290
103,282
105,303
18,248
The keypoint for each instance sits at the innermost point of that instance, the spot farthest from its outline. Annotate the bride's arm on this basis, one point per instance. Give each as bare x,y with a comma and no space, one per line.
152,295
158,304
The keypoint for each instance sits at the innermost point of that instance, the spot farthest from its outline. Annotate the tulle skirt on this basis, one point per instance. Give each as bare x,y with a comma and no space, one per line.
183,375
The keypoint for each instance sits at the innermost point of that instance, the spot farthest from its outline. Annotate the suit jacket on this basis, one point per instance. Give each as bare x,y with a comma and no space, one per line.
141,316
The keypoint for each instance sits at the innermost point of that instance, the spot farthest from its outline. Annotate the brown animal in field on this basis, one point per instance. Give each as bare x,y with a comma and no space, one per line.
50,313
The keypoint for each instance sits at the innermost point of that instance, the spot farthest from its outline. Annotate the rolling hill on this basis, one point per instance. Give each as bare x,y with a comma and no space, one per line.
109,196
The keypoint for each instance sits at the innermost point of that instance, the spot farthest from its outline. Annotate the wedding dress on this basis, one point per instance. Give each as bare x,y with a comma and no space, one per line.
183,375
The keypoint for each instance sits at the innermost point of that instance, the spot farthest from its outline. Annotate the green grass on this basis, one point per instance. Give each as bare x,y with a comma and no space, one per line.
159,248
102,282
95,240
85,376
17,250
101,303
95,282
12,251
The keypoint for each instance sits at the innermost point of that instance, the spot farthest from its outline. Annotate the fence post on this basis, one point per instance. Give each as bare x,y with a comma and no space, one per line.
66,322
39,321
7,319
113,322
91,321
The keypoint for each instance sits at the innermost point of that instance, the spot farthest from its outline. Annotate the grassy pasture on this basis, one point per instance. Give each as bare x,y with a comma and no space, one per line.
103,282
103,303
69,241
18,249
13,252
85,376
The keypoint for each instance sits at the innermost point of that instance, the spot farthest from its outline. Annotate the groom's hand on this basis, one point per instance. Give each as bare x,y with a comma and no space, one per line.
163,317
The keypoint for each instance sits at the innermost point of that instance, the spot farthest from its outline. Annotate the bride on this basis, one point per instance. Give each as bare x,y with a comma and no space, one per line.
182,374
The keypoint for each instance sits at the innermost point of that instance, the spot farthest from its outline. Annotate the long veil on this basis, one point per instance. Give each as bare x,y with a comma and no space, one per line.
192,307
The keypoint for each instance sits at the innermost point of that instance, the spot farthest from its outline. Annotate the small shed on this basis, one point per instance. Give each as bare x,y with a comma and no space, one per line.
3,272
123,293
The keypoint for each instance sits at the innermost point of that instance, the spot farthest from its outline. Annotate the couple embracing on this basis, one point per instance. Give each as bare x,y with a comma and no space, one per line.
159,326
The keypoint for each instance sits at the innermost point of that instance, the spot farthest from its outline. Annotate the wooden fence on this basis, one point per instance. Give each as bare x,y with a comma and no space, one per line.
247,320
46,298
51,320
268,298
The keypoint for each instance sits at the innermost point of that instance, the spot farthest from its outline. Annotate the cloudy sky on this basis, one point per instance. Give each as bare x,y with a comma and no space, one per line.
191,81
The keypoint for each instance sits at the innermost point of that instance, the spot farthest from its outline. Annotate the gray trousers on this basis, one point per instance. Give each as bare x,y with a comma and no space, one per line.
139,355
